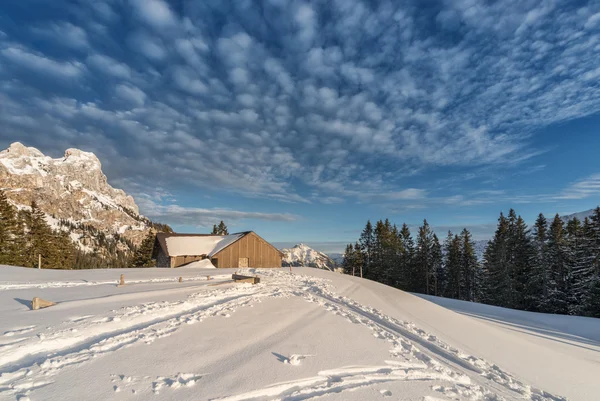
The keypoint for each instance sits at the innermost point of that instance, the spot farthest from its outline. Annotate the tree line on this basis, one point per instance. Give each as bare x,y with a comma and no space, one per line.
25,235
552,268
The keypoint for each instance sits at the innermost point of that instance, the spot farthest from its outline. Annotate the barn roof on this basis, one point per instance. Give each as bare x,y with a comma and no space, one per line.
195,244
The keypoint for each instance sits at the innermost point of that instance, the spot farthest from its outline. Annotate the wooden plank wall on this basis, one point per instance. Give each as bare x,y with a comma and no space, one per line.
258,251
182,260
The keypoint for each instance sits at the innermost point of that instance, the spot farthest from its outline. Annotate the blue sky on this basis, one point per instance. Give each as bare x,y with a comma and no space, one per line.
303,119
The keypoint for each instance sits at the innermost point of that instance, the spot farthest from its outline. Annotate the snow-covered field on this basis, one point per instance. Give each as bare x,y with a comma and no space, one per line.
295,336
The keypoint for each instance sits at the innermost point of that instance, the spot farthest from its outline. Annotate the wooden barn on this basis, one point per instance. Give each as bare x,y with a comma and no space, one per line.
245,249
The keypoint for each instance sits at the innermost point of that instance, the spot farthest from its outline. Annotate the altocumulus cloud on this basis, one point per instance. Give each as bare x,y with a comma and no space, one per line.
296,100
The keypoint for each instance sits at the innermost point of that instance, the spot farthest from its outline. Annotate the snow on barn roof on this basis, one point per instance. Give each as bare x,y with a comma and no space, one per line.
196,244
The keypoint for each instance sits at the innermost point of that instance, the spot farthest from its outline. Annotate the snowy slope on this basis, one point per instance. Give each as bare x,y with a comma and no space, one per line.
303,255
296,336
581,215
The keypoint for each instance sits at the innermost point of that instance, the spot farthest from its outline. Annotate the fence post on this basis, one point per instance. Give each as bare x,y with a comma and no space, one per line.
39,260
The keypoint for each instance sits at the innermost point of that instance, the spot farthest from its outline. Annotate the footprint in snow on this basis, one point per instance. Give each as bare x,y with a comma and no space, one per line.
295,359
386,393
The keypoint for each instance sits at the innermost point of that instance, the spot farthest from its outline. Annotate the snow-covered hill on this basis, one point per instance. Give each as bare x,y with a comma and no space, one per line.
303,255
581,215
308,335
72,191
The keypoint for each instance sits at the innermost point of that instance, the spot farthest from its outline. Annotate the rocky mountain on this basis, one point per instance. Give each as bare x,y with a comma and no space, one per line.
74,194
303,255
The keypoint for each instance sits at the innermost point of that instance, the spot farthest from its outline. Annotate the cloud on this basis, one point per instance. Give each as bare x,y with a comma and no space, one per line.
110,66
70,35
306,103
41,64
156,13
177,215
584,188
131,94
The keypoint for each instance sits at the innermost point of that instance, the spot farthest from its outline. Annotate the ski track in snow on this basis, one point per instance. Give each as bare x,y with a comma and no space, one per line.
65,284
32,362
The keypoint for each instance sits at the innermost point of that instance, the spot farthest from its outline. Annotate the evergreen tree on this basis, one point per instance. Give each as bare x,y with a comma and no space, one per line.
468,267
9,231
536,293
522,258
558,291
423,268
349,263
593,297
143,255
405,260
221,229
497,280
580,265
452,266
39,236
437,267
367,241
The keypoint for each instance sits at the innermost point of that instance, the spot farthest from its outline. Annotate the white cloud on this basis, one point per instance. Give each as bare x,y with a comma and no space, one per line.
131,94
589,186
187,82
156,13
149,46
68,34
41,64
109,66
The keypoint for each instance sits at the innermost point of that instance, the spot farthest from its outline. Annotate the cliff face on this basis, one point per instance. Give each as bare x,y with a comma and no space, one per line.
73,190
303,255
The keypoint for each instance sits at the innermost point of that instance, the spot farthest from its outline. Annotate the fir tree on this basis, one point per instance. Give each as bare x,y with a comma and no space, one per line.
405,259
348,263
496,260
452,266
221,229
437,267
558,291
468,267
536,293
367,240
143,255
423,273
8,231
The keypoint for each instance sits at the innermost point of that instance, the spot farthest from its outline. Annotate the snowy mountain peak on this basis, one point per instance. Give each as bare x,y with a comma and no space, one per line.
71,188
17,149
303,255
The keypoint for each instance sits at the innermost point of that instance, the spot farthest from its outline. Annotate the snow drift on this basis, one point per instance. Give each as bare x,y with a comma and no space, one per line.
295,336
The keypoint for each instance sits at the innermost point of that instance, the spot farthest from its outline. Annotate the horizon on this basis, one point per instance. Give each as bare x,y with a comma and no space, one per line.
305,120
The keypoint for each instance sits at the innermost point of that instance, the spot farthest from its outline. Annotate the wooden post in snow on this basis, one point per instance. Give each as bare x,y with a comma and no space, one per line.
207,278
39,261
121,281
181,279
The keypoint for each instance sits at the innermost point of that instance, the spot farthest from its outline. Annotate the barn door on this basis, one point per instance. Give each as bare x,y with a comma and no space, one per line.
243,262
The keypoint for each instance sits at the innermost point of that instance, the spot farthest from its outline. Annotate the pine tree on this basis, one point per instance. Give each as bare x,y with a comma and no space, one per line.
496,261
558,291
221,229
143,255
405,260
580,265
367,240
536,293
522,258
40,237
8,231
423,273
452,266
349,262
593,297
437,267
468,267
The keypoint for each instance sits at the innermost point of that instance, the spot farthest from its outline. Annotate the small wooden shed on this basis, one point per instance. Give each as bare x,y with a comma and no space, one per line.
245,249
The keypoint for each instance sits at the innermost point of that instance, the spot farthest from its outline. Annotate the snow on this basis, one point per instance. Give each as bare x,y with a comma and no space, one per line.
295,336
199,245
200,264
